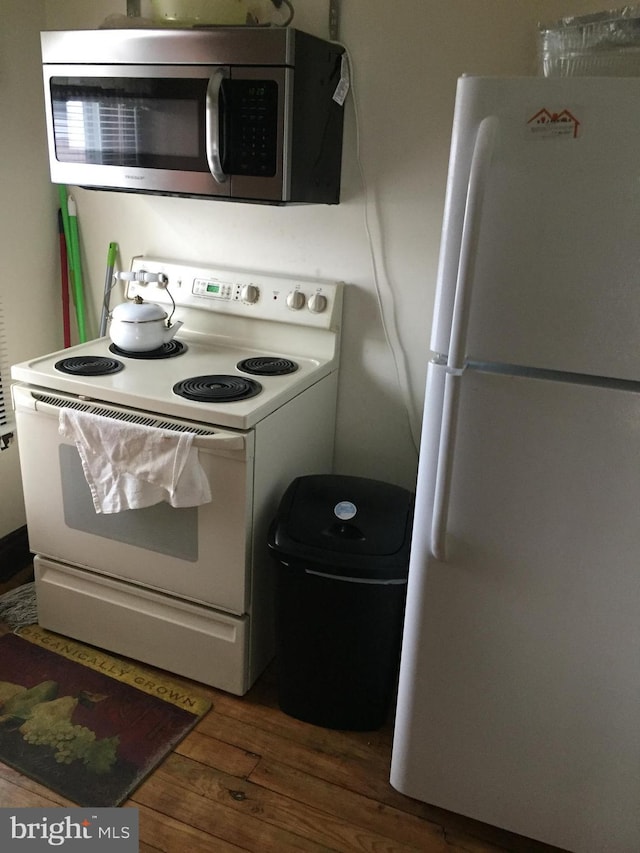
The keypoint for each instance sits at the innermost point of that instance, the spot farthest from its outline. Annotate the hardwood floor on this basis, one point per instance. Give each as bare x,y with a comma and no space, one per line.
250,778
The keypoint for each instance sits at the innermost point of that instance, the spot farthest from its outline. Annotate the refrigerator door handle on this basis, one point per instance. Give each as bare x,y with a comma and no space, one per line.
478,177
444,467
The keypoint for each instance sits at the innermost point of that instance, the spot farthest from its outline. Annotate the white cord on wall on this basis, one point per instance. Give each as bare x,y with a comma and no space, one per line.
379,269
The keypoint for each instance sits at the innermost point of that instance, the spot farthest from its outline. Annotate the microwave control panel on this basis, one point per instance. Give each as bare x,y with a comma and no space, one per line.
250,128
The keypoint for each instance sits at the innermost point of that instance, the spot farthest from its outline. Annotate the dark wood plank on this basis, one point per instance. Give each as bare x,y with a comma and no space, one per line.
321,755
347,805
288,813
161,832
204,811
216,753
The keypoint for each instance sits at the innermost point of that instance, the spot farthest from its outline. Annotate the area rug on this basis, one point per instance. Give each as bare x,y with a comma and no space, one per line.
83,723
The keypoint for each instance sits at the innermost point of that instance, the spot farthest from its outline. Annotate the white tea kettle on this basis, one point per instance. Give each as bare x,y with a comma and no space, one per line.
140,326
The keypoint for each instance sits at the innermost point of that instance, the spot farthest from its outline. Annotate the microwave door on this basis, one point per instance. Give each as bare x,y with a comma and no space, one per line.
136,128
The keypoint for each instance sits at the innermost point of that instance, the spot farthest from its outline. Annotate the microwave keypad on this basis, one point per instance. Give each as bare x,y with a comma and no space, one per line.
251,109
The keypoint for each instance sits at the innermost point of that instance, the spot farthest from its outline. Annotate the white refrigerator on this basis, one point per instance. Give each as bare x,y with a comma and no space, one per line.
519,692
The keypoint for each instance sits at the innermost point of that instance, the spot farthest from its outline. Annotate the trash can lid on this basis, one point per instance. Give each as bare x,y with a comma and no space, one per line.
345,524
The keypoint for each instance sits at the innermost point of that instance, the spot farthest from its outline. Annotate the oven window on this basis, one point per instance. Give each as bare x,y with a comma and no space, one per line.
120,121
160,528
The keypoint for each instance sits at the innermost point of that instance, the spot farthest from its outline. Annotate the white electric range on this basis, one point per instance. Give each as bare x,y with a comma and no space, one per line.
252,373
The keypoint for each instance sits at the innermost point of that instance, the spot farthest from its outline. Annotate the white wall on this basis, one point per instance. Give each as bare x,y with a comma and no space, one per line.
28,232
406,57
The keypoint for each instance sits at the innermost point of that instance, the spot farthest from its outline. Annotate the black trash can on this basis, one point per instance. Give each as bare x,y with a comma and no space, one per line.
342,550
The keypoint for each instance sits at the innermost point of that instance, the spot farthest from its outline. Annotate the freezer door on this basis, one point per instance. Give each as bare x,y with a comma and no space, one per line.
519,697
554,276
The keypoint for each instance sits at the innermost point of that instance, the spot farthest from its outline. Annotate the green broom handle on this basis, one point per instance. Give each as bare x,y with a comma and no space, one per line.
77,270
66,227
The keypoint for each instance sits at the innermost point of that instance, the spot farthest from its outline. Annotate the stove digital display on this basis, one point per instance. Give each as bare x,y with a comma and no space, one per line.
213,288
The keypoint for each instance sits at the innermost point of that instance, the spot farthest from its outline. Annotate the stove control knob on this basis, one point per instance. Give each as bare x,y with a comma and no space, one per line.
296,300
249,293
317,303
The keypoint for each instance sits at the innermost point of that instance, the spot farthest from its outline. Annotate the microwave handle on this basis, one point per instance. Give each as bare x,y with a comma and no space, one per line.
212,124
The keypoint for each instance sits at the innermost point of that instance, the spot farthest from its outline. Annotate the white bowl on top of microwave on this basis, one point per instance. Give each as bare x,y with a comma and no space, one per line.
221,12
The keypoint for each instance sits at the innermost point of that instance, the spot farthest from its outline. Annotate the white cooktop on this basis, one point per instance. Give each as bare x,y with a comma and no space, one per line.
263,320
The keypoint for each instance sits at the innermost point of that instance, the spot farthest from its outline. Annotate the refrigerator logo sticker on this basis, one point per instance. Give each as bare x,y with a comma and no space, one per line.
546,124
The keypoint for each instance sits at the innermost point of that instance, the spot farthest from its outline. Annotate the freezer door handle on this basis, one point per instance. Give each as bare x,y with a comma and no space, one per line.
478,178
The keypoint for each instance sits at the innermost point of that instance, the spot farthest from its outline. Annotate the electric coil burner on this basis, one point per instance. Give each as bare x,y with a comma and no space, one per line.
168,350
217,389
89,365
267,366
247,407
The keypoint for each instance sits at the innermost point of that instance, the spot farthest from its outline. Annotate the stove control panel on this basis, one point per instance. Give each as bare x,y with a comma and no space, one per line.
243,293
213,288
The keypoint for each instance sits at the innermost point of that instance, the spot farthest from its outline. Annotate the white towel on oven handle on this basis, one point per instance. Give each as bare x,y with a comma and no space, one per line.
131,466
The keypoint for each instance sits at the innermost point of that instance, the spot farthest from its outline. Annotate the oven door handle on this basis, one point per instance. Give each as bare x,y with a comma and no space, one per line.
213,123
29,400
222,441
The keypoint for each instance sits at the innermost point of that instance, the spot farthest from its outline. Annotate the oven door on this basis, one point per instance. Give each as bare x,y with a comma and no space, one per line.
198,553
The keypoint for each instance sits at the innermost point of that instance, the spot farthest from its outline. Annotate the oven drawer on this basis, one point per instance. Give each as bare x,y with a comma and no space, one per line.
178,636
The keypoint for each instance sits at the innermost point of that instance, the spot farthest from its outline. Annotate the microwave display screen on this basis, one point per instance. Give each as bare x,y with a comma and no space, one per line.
152,123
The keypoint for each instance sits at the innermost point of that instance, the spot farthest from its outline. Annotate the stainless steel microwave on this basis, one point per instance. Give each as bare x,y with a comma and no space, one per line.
238,113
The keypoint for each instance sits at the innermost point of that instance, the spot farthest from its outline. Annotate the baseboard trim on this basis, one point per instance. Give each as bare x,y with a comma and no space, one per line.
14,553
